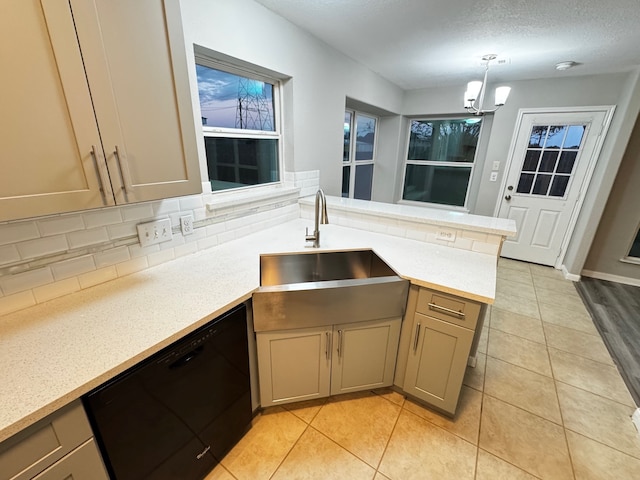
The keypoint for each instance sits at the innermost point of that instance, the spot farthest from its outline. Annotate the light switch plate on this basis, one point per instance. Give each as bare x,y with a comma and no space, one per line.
151,233
496,165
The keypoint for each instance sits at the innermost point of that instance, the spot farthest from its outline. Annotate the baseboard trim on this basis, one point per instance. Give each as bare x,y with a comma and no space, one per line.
611,278
569,276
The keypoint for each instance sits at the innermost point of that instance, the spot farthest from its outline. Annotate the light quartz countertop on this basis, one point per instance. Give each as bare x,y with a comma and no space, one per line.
53,353
420,214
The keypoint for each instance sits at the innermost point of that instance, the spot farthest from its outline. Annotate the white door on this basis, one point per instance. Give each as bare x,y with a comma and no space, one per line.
551,158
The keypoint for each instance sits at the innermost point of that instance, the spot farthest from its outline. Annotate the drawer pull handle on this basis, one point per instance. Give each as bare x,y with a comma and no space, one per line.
415,342
446,311
339,343
103,176
127,186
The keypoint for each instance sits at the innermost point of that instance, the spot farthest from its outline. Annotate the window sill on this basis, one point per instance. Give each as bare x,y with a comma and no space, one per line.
632,260
225,202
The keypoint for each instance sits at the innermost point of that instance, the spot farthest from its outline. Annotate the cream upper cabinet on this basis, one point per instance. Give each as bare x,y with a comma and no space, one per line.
308,363
96,105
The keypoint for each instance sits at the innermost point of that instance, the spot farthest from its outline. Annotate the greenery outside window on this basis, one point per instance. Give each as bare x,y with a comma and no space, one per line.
440,159
358,155
240,123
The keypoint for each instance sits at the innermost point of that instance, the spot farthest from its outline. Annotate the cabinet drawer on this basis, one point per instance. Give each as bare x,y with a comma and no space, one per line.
39,446
449,308
84,463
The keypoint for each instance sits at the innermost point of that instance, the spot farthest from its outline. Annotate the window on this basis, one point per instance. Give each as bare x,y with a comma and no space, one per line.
240,126
358,155
634,250
440,160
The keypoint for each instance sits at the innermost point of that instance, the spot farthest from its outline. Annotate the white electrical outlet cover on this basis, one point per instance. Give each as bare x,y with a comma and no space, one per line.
447,235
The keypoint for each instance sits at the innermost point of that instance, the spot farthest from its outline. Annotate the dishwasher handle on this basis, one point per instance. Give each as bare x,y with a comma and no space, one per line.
187,357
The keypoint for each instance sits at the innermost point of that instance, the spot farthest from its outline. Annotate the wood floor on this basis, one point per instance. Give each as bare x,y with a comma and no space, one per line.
615,309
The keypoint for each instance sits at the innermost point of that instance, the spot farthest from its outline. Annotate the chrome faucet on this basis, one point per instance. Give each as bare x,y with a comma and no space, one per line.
321,218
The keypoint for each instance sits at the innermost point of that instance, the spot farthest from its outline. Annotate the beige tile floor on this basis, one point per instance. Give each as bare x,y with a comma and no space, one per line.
544,401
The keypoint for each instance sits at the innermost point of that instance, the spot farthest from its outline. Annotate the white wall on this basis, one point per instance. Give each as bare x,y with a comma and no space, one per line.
322,78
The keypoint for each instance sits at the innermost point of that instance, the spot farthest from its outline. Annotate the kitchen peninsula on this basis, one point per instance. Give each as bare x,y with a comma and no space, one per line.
53,353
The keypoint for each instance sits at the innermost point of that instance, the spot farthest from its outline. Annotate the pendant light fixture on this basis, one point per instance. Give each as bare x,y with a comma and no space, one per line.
474,96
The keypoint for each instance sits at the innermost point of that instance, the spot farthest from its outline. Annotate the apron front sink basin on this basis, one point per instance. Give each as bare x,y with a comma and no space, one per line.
326,288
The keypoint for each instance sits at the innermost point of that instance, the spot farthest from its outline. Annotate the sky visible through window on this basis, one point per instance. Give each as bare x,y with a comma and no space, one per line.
223,95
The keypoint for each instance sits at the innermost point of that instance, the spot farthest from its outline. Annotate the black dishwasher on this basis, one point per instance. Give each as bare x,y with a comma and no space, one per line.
176,414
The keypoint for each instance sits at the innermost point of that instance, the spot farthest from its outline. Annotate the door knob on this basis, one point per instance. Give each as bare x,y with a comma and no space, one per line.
507,197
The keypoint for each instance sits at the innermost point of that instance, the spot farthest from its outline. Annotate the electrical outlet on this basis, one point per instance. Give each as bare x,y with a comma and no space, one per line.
151,233
446,235
496,165
186,224
493,177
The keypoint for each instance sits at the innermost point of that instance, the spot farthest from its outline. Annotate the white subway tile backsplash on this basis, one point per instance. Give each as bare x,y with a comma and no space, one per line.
415,234
463,243
20,282
122,230
18,301
163,208
56,289
132,266
84,238
73,267
111,257
162,256
478,236
8,254
482,247
138,212
41,247
102,218
191,203
136,250
207,242
185,249
494,239
58,225
18,232
98,276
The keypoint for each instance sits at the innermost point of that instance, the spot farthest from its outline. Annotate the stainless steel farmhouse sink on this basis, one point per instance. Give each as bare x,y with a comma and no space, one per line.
326,288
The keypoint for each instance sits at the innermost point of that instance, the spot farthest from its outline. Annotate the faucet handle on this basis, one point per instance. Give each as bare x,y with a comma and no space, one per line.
307,237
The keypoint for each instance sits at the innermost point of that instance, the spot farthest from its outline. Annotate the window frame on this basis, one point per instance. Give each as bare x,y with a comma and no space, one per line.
352,163
628,258
471,165
236,133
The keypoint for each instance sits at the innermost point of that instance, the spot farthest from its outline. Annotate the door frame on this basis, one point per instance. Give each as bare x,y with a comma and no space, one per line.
608,111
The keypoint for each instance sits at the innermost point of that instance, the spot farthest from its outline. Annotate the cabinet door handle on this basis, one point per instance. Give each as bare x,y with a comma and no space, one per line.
103,177
328,341
415,342
339,343
124,170
446,311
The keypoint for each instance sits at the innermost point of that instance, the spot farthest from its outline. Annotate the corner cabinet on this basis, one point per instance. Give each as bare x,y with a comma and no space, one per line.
441,335
96,106
58,447
310,363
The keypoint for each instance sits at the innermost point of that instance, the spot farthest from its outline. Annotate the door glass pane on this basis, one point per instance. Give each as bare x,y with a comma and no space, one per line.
346,170
555,136
444,140
435,184
541,185
364,180
574,136
567,159
347,136
538,135
525,183
559,185
365,137
531,158
548,163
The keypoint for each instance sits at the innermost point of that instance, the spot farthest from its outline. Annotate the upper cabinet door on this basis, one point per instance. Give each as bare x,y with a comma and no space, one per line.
47,130
135,60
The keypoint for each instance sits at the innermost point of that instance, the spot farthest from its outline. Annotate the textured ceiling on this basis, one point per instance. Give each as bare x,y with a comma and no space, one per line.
424,43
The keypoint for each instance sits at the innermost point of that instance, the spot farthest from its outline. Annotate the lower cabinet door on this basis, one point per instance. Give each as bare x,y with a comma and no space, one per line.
437,362
84,463
364,355
294,365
